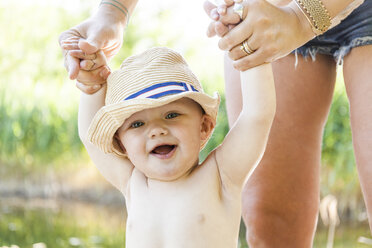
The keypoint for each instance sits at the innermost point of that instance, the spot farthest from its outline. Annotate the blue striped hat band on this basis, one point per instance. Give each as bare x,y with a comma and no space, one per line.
162,89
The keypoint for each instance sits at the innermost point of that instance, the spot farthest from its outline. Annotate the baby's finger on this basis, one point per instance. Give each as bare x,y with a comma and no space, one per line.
88,65
220,29
214,14
97,76
88,89
229,2
211,31
211,10
230,17
94,63
221,9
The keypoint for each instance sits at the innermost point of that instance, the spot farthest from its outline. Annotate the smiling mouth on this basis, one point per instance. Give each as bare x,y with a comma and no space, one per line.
164,151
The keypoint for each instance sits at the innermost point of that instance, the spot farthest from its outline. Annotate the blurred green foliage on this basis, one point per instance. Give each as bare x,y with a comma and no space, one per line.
38,109
82,226
337,143
38,104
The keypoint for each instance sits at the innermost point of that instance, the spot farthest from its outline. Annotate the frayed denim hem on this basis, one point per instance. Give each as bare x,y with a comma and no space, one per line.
337,53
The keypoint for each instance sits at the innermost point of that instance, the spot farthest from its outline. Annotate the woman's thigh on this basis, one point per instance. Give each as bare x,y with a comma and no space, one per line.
358,82
280,200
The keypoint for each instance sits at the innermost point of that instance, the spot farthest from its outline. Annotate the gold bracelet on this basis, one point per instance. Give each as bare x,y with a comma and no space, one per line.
317,13
303,13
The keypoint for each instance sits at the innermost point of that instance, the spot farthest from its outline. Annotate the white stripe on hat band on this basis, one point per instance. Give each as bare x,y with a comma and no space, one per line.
162,89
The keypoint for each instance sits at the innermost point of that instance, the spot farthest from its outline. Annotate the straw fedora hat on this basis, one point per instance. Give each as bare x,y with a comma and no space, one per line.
151,79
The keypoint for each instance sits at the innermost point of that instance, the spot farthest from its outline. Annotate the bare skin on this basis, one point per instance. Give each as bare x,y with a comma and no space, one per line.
358,84
172,200
280,196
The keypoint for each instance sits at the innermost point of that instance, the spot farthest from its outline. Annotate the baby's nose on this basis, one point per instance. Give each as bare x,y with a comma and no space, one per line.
157,130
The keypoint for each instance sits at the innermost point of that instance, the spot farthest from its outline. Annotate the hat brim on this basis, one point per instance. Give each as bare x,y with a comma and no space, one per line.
110,118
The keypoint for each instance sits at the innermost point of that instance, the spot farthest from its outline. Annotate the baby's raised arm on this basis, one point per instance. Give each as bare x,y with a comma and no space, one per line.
244,145
116,170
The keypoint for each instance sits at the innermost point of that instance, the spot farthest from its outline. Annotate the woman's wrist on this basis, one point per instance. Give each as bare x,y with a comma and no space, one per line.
304,20
114,11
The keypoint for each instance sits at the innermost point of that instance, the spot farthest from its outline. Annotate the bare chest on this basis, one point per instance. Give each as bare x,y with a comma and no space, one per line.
190,213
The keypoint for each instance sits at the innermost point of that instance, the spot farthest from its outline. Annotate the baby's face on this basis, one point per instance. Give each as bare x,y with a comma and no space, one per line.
164,142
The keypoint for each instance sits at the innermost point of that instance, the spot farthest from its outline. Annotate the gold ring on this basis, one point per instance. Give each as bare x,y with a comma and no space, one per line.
245,47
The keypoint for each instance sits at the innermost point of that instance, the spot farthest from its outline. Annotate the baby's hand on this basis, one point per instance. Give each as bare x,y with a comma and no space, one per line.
93,69
223,16
227,15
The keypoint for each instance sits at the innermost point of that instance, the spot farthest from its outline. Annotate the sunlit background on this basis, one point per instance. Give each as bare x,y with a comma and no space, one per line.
50,193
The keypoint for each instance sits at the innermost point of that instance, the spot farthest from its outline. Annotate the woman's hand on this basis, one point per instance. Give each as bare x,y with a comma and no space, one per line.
103,31
271,32
93,69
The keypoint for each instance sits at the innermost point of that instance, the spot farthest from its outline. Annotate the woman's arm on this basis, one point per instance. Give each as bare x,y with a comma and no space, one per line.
102,31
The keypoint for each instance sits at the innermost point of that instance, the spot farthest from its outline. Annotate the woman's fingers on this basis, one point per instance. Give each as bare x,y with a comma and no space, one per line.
271,33
235,36
89,62
236,53
88,69
70,46
249,61
220,29
71,65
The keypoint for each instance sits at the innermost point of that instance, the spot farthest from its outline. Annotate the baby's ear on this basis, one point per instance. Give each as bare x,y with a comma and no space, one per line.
206,127
117,138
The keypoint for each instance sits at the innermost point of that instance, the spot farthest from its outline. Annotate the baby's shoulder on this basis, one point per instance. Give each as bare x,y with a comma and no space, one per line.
210,161
217,164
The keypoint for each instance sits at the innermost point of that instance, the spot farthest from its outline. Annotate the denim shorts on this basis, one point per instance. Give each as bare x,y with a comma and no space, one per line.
353,31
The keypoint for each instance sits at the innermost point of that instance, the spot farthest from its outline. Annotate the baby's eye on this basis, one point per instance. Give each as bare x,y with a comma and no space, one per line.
137,124
172,115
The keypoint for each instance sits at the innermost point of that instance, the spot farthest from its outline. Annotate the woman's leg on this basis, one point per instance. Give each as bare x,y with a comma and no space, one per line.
280,200
358,81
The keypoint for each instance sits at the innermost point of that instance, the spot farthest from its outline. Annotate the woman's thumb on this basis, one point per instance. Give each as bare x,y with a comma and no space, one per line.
91,45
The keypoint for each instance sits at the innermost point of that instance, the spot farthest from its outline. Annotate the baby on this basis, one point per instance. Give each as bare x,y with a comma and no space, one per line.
144,132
